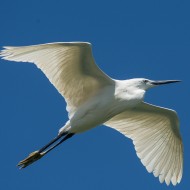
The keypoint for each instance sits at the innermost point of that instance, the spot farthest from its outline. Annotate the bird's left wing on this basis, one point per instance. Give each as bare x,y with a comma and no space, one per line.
69,66
155,134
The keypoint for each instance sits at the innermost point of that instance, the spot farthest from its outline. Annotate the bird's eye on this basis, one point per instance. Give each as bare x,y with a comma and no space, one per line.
145,81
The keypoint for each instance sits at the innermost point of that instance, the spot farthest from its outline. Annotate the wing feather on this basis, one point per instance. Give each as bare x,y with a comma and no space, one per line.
156,137
70,67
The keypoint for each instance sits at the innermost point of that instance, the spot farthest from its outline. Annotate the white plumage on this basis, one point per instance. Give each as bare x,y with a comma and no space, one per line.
93,98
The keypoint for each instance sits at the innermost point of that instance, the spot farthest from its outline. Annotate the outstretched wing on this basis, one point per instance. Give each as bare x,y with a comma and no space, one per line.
70,67
156,136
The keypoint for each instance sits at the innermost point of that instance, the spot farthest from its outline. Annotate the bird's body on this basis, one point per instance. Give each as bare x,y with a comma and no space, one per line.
93,98
108,102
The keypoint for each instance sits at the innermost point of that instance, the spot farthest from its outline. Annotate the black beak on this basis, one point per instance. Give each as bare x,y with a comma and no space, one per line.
164,82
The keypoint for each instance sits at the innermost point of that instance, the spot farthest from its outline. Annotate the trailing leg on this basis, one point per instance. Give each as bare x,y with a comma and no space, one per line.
36,155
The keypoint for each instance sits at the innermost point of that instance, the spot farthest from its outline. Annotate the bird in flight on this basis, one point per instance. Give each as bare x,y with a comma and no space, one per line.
93,98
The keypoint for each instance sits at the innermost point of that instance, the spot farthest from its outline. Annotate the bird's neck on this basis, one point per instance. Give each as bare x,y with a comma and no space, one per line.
127,92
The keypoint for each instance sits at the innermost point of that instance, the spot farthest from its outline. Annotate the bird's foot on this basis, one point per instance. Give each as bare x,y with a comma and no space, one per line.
34,156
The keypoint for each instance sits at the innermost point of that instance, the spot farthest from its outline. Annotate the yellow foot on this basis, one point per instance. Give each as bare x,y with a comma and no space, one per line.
34,156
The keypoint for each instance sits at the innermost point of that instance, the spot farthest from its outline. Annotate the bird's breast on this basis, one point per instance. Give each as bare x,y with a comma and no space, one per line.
102,108
129,97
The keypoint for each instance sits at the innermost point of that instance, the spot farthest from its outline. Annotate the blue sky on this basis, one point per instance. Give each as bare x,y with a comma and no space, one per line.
130,39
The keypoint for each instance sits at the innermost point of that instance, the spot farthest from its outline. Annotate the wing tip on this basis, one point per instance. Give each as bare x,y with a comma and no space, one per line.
5,49
171,179
5,53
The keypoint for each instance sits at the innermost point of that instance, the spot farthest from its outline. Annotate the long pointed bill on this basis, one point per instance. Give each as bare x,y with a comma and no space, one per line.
164,82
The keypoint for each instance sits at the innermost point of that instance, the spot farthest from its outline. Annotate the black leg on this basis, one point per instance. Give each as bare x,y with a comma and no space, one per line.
51,142
69,135
36,155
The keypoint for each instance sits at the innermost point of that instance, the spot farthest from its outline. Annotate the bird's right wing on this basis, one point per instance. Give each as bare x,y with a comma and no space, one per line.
70,67
155,134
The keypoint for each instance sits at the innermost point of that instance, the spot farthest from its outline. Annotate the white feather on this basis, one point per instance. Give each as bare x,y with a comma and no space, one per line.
155,134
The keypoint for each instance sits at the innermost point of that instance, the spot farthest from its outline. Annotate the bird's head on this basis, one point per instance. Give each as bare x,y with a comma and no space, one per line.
145,84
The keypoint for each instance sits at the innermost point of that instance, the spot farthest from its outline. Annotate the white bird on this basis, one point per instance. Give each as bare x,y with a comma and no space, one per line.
93,99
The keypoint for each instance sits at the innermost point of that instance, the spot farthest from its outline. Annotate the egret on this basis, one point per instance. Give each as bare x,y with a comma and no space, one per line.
93,98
